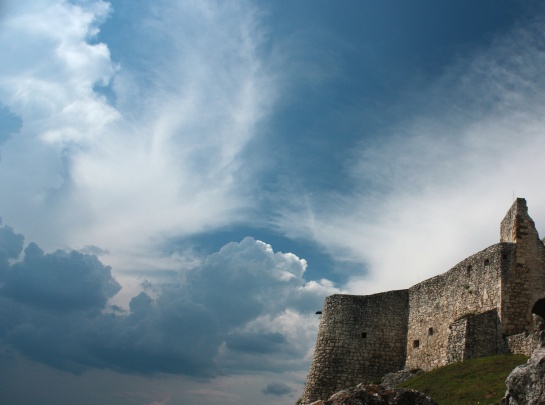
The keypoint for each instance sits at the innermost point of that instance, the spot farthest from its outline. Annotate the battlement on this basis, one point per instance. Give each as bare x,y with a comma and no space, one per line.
488,303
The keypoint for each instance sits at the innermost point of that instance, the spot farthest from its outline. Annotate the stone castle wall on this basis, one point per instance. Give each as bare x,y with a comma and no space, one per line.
360,338
492,302
471,287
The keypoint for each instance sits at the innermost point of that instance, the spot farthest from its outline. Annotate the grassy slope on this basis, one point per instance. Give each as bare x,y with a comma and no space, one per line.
475,381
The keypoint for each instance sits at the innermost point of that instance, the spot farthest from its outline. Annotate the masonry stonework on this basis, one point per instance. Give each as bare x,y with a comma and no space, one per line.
492,302
471,287
361,338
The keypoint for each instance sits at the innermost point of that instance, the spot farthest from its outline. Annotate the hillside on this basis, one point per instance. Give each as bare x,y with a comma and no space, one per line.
475,381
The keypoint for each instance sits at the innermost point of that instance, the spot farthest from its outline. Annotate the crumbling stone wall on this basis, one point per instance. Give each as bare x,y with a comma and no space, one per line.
489,303
474,336
521,343
524,279
457,341
360,339
483,335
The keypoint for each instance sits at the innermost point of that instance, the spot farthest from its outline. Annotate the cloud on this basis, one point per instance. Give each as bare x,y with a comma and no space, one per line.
206,93
163,156
431,188
238,304
262,342
248,266
242,302
63,281
47,82
49,78
277,388
9,124
11,246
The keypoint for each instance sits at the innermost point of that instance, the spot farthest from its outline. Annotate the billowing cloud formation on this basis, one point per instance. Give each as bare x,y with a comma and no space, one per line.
245,302
63,281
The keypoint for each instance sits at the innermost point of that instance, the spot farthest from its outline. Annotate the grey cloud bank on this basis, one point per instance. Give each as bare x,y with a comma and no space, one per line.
276,388
55,310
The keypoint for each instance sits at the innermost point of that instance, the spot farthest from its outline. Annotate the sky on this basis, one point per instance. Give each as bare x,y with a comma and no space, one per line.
184,182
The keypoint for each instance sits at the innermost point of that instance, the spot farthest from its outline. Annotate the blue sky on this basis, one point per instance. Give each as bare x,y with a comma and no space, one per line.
185,181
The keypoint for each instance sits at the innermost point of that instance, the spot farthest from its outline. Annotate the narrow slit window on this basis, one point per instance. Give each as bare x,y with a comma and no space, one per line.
430,331
469,268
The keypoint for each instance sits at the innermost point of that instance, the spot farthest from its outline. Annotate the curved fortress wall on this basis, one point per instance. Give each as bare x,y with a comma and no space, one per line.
360,338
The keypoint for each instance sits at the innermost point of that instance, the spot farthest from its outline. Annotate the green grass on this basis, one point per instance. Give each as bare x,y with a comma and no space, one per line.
475,381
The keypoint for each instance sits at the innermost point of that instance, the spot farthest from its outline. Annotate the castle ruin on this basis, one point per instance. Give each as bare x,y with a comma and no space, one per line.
490,303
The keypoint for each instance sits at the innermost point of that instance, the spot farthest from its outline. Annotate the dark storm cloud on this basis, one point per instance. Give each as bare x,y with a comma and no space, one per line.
11,245
50,302
277,388
54,310
183,330
169,334
259,342
63,281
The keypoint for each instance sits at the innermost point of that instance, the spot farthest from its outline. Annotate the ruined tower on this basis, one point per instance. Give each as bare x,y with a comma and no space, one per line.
489,303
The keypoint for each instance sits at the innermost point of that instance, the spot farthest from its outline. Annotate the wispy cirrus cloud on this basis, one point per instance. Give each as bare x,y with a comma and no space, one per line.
160,158
432,188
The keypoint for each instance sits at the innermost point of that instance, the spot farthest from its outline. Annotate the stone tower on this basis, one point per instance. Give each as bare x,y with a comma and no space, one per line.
360,338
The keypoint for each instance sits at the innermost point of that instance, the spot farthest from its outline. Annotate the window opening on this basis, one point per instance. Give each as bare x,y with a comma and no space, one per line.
539,308
364,335
486,262
430,331
416,344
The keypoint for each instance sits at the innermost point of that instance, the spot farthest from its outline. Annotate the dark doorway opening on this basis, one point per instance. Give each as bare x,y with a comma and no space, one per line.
539,308
538,311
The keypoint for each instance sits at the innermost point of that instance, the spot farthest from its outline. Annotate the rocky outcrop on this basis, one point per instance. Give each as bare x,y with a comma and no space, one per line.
377,395
526,383
393,379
